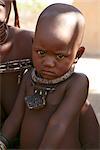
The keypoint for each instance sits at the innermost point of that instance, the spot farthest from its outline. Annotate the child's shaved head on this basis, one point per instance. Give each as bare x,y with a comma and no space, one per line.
57,40
63,22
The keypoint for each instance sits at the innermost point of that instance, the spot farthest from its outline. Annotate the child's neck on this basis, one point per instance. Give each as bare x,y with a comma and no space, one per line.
37,79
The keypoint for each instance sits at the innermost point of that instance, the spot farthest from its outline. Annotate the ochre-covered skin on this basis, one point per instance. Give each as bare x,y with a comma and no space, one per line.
17,46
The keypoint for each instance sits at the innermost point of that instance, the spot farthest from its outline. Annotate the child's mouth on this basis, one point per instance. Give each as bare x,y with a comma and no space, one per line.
48,75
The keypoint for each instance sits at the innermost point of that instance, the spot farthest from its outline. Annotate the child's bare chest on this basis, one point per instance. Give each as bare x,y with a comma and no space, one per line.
35,121
34,125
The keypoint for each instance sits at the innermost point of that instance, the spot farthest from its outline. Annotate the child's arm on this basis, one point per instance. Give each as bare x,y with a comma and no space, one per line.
69,108
12,124
89,128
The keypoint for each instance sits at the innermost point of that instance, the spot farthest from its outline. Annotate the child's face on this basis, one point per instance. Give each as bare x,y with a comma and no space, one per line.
52,60
52,53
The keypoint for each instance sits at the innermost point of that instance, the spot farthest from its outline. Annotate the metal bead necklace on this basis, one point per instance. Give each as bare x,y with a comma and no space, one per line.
41,89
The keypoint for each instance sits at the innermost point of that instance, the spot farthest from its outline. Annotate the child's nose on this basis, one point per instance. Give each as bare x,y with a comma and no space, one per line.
49,61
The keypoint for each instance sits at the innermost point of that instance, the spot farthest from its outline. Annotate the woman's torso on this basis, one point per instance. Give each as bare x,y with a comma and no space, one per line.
17,47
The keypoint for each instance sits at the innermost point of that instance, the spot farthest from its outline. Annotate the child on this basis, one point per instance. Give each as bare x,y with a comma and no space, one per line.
48,107
15,55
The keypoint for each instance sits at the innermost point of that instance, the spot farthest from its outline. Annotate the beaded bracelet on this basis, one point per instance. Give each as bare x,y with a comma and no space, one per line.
3,140
2,146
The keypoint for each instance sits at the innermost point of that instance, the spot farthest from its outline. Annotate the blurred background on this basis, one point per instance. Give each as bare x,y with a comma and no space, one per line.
89,64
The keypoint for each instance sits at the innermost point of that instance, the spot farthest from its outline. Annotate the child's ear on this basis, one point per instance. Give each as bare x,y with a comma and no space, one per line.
80,52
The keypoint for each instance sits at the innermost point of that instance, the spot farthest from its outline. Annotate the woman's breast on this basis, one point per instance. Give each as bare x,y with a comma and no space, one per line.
9,89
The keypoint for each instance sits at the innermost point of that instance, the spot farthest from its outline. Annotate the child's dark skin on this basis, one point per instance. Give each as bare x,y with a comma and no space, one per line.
56,45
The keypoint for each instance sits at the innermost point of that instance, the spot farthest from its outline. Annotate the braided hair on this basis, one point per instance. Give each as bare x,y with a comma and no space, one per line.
16,21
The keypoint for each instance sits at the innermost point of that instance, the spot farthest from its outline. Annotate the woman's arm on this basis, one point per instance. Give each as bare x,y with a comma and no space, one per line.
68,109
12,124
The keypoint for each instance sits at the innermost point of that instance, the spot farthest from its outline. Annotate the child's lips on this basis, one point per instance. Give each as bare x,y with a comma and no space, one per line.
48,73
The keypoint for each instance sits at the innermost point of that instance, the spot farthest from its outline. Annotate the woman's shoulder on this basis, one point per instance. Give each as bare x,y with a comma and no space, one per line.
22,33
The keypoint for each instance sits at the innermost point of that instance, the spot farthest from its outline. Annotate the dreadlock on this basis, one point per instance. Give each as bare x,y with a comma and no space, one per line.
8,14
16,21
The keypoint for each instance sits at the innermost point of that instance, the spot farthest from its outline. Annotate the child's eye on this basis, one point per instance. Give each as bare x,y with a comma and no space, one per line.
41,53
60,56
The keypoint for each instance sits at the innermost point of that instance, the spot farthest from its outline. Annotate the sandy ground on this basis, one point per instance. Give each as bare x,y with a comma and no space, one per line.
91,67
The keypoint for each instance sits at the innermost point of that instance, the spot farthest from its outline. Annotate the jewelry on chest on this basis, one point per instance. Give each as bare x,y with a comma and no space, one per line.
42,87
38,99
15,65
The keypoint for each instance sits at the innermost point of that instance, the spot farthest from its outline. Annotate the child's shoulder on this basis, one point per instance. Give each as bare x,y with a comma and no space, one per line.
80,77
78,80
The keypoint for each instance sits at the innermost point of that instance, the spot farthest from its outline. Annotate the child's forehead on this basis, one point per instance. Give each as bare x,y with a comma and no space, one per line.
61,24
60,29
53,42
68,18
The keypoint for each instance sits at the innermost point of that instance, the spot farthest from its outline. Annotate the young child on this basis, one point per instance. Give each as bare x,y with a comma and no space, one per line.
49,108
15,55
